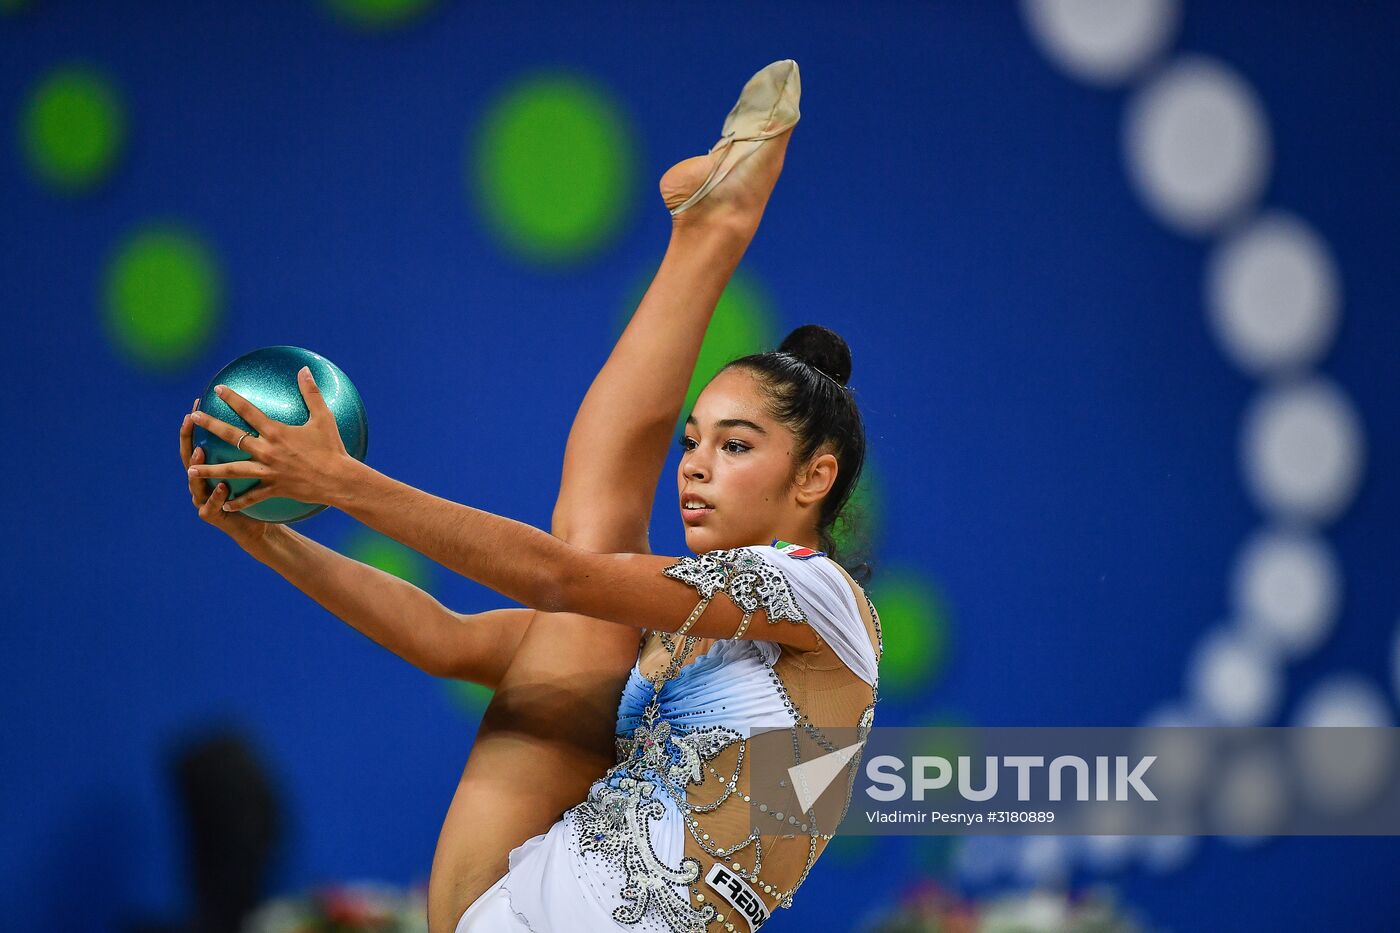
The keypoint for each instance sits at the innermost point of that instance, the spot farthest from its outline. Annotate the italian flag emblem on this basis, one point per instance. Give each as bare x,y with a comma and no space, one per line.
797,550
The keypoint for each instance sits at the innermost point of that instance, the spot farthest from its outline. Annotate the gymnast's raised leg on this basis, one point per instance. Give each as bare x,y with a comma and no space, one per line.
548,732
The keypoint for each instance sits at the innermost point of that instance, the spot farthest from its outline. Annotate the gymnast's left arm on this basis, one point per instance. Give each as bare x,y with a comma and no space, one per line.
539,570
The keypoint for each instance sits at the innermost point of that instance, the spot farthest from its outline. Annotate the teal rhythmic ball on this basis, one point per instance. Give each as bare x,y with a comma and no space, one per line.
268,379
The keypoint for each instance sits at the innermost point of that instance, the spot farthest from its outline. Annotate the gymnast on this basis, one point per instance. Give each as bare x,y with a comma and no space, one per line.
607,788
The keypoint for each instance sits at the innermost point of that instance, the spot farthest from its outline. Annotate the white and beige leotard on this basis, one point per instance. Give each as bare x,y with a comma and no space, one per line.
665,841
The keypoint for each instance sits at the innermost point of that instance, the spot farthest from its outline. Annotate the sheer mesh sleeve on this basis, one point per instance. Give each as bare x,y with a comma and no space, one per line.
829,604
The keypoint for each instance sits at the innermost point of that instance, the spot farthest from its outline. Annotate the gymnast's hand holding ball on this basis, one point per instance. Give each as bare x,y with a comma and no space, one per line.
275,461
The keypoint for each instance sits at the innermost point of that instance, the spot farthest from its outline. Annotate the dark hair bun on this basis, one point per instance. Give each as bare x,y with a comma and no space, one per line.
820,347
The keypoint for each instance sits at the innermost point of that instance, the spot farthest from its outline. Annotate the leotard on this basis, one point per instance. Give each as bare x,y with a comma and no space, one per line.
665,841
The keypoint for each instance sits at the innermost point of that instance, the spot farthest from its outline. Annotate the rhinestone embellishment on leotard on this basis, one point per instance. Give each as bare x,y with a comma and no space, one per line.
748,579
615,820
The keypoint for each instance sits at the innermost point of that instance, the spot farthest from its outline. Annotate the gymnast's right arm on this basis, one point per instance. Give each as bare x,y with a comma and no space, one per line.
386,609
393,612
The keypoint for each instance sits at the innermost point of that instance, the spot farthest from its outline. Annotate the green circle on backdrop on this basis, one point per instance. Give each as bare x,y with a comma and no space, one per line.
470,699
378,550
552,162
378,14
858,527
163,296
942,735
742,324
73,128
850,849
914,627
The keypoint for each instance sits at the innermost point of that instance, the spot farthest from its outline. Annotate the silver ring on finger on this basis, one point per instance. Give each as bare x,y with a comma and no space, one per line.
240,440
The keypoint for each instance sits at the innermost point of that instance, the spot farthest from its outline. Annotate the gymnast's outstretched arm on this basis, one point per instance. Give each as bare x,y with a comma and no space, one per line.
394,613
554,708
390,611
612,461
613,456
539,570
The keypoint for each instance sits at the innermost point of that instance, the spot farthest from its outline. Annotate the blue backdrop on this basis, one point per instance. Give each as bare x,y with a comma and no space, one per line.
1055,430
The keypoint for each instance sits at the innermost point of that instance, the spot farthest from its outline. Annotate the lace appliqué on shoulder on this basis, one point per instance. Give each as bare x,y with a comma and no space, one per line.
749,580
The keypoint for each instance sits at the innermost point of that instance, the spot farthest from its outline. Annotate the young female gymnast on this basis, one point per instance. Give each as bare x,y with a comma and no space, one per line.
773,448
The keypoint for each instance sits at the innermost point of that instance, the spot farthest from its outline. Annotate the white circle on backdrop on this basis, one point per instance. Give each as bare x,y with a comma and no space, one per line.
1197,144
1107,853
1395,664
1102,41
1044,861
1273,295
1302,450
1343,769
983,859
1031,911
1165,854
1183,751
1343,700
1174,713
1234,679
1287,589
1251,798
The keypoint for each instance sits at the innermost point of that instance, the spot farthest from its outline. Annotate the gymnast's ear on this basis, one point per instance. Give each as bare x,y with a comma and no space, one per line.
815,480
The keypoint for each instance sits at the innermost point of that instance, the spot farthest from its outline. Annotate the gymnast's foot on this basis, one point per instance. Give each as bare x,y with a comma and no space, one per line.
732,183
739,199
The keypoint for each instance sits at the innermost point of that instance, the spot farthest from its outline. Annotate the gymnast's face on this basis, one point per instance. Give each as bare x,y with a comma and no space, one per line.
737,464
